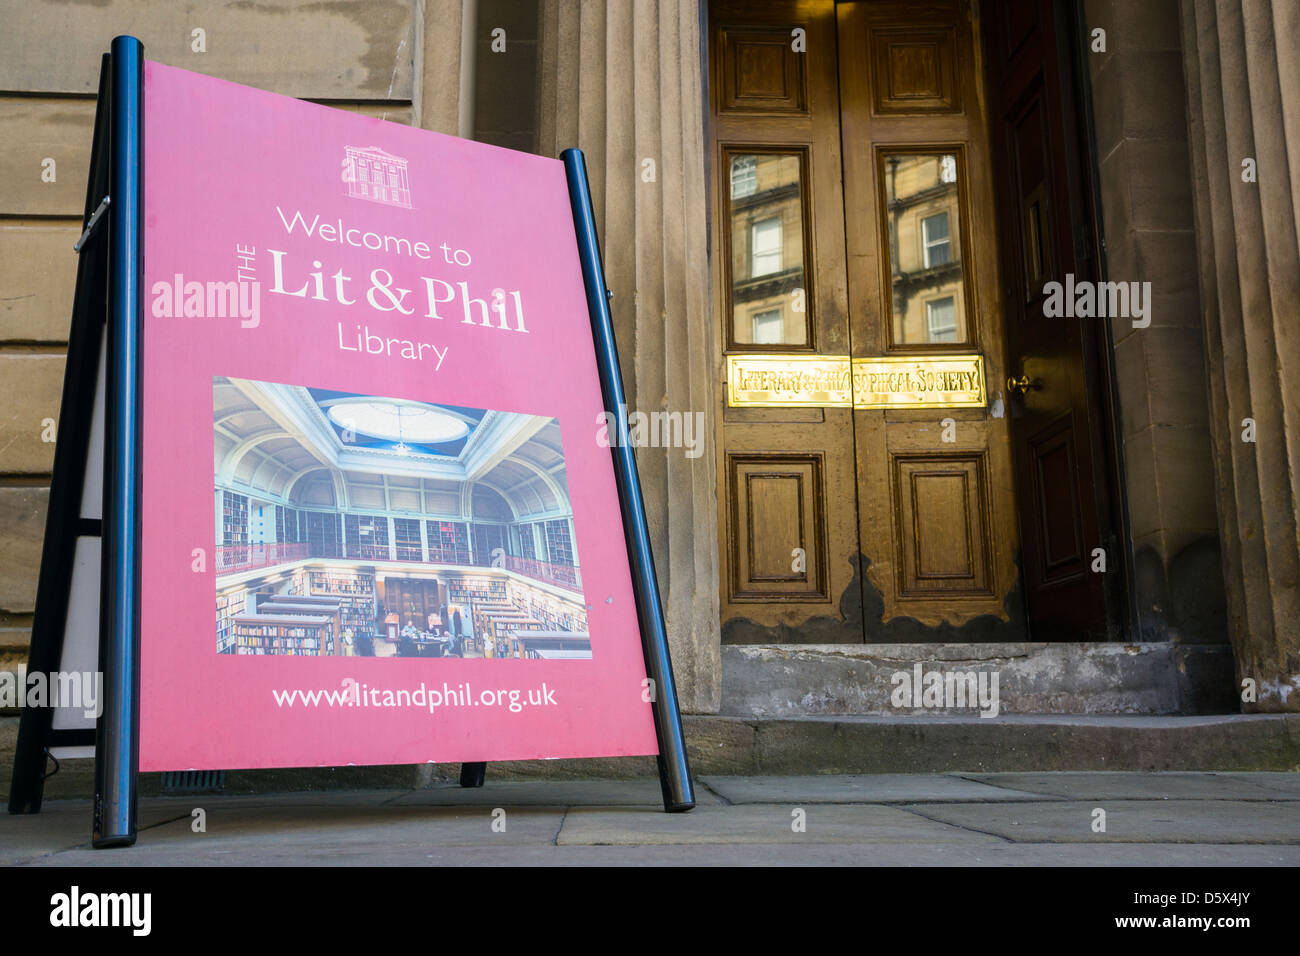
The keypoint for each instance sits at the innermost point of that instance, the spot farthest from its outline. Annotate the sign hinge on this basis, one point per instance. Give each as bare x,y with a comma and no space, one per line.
92,223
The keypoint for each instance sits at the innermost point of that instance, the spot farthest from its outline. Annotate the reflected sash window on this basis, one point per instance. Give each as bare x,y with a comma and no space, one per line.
922,201
769,300
941,317
744,176
934,230
769,328
766,247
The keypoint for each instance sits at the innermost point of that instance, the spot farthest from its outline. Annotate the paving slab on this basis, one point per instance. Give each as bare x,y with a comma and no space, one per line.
62,824
249,801
39,835
552,793
1122,785
236,827
1287,783
859,788
1128,821
753,823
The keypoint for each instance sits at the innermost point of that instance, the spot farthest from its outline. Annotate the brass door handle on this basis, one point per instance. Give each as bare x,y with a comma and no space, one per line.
1018,386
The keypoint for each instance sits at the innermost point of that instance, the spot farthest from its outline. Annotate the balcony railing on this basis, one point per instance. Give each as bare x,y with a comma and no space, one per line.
247,557
561,574
243,557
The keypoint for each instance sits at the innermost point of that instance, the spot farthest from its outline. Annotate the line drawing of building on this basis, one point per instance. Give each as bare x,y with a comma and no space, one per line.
376,175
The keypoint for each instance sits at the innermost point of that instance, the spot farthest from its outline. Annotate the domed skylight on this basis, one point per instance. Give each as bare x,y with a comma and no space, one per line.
398,421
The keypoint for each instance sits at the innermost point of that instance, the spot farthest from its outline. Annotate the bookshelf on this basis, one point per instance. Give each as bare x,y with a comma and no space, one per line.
527,543
406,538
512,629
556,613
324,534
286,525
480,595
285,635
495,616
301,605
366,536
356,593
475,588
347,583
234,519
229,605
559,548
487,538
448,541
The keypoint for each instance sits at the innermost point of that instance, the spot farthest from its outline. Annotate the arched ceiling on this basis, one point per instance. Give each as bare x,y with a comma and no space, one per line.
279,440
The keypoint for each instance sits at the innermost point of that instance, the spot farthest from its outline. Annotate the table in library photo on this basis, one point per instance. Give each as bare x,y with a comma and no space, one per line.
556,645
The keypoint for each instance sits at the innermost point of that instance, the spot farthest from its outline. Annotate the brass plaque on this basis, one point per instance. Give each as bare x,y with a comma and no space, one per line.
929,381
799,381
785,381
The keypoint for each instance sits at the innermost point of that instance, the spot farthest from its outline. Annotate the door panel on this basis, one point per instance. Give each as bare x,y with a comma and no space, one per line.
760,72
1053,472
1064,462
777,503
914,70
923,270
787,495
943,526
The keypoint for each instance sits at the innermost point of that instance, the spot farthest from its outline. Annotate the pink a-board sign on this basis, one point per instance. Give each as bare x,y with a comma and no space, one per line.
372,457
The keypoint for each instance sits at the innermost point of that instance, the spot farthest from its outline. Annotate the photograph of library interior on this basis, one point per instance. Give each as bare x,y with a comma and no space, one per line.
357,525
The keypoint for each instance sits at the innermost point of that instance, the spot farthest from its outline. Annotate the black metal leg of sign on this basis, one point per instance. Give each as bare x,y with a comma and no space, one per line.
76,410
674,768
117,743
472,774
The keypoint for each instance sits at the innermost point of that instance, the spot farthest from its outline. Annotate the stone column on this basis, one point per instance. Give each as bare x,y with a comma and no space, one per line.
624,81
443,96
1241,59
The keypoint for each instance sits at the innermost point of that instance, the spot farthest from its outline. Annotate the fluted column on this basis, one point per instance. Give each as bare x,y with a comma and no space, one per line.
623,81
443,98
1242,66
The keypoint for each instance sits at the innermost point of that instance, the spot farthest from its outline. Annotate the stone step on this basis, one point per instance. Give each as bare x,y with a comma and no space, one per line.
826,745
820,680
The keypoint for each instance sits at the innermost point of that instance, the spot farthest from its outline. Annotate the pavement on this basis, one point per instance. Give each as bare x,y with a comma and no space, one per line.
944,819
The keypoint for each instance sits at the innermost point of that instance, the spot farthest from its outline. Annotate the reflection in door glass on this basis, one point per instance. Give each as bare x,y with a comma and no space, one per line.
768,292
925,277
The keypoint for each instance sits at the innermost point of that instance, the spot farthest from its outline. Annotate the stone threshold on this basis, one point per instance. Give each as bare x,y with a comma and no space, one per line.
822,680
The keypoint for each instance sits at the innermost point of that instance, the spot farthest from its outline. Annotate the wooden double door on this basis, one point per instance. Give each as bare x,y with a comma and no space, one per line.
412,600
883,224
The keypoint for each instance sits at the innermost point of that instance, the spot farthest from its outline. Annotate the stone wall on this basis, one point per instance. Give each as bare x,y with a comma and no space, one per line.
1147,212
